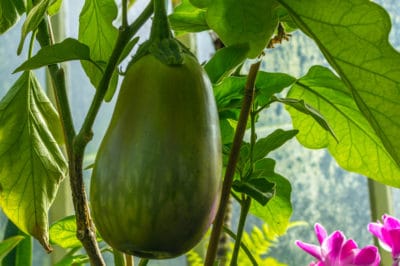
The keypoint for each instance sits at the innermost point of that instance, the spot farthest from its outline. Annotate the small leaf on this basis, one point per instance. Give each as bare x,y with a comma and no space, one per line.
10,11
225,61
243,22
277,212
97,31
69,49
54,7
34,17
229,91
9,244
31,163
188,18
63,233
259,189
273,141
268,84
303,107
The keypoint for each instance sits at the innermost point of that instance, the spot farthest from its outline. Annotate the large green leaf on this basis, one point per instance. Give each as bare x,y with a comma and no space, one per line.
31,163
9,13
243,22
353,36
97,32
278,210
359,149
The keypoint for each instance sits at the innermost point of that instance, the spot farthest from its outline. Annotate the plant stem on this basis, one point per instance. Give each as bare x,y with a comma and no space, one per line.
124,13
243,246
75,144
85,134
233,157
242,221
160,29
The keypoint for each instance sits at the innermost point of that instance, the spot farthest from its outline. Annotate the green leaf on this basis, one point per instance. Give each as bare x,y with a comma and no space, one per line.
63,233
359,148
188,18
229,93
9,244
305,108
32,21
31,163
259,189
268,84
24,251
354,37
69,49
278,210
10,11
54,7
97,32
243,22
75,260
200,3
225,61
271,142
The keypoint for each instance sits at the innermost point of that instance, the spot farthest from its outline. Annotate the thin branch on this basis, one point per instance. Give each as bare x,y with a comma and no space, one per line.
125,34
233,158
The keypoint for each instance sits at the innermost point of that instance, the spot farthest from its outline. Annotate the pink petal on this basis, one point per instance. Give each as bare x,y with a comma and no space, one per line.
349,250
320,232
390,222
376,230
313,250
395,239
332,246
368,256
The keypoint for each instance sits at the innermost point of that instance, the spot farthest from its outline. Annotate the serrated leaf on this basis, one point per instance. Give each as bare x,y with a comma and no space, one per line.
32,21
10,11
31,163
188,18
9,244
277,212
225,61
54,7
264,146
359,148
354,37
243,22
259,189
63,233
305,108
69,49
97,31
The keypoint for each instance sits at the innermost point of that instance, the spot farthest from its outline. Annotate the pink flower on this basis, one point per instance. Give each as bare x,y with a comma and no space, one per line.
335,250
389,235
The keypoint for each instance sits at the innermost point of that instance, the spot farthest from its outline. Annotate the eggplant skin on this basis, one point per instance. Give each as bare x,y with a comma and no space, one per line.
156,181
